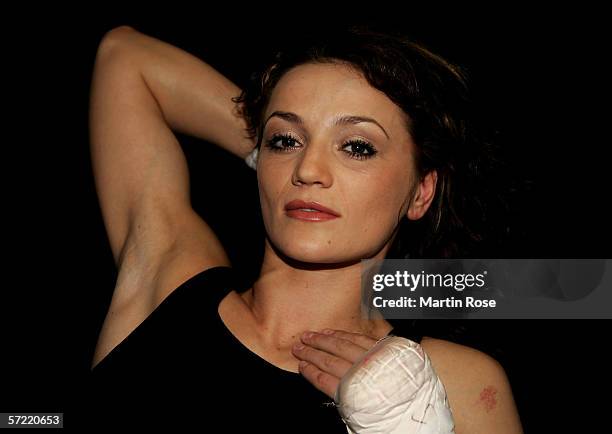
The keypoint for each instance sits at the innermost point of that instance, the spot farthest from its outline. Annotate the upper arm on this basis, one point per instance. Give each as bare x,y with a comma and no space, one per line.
140,170
478,390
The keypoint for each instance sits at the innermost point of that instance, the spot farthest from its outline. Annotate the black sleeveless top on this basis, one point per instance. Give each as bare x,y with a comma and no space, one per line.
182,366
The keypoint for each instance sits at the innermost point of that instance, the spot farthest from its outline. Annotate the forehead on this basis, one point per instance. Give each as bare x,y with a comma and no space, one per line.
319,91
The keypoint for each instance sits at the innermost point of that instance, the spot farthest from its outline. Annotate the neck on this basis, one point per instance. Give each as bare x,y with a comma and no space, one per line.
289,299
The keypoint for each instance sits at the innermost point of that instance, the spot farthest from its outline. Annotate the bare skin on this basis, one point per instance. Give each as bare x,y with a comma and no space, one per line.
143,89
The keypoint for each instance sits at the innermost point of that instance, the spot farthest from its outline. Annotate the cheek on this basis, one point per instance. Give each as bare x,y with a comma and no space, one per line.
267,191
379,201
271,182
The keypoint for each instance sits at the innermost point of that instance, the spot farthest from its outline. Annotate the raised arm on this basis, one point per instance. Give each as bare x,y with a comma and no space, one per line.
143,89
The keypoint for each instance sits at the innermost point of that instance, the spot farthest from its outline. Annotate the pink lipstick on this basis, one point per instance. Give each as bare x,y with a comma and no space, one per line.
310,211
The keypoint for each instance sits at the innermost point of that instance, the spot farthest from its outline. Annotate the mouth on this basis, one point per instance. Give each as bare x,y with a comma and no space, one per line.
310,211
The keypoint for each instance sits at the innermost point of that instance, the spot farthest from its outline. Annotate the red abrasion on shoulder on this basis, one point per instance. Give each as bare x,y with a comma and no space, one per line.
487,397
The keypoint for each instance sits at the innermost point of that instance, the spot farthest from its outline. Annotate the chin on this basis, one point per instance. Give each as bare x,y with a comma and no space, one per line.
311,252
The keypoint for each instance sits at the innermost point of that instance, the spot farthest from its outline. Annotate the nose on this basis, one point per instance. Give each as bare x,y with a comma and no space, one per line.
313,167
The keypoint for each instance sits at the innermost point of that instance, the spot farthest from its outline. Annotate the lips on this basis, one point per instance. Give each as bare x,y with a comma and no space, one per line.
311,211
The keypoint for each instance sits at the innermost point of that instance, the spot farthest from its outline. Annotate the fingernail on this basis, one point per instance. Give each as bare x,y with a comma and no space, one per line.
298,346
307,335
302,364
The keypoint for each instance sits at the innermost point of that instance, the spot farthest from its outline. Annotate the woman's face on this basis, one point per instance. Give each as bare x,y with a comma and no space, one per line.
370,189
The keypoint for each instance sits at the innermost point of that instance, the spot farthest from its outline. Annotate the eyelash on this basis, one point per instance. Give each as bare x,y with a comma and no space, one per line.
356,155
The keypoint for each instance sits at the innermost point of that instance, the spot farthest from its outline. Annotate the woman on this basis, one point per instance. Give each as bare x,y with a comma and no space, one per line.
343,161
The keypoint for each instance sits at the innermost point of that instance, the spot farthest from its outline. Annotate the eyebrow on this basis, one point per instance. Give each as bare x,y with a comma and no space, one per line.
341,120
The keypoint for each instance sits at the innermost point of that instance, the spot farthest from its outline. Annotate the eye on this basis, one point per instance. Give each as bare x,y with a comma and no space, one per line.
286,143
359,147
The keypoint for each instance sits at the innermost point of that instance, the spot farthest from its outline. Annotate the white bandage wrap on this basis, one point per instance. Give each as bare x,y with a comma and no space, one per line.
394,389
251,159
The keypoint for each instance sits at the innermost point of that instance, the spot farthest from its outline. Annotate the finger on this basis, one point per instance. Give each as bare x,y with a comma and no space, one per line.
323,381
327,362
334,345
364,341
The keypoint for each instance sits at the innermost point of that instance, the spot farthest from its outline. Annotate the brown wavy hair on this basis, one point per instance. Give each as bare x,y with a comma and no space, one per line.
466,216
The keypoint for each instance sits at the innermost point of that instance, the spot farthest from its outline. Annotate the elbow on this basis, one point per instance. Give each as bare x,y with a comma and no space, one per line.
115,41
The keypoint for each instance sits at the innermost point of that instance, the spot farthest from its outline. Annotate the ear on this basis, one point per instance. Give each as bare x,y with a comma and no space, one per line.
423,196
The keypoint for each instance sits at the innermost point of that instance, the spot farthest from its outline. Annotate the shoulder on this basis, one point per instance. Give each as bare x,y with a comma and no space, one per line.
477,387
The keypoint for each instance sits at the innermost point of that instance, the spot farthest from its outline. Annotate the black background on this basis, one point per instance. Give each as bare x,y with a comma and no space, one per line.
536,74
